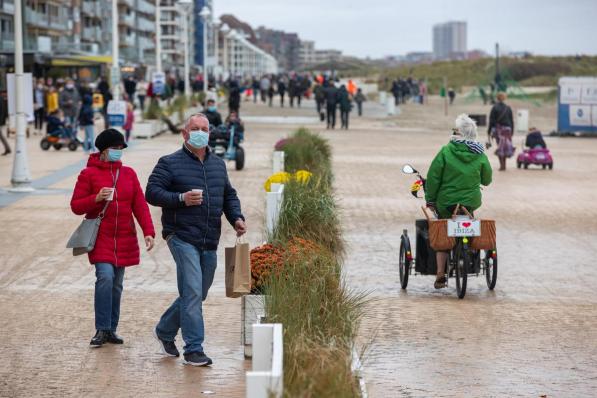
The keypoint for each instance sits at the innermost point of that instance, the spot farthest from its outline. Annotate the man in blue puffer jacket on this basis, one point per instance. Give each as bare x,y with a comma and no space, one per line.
192,187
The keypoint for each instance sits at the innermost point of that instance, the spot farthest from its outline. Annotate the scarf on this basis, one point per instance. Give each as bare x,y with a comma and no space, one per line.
473,146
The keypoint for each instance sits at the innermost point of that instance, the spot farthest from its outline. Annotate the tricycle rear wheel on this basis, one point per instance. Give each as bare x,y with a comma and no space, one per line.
490,261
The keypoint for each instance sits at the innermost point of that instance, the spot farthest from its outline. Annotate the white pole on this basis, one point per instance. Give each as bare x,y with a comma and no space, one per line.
185,28
205,77
115,50
225,57
21,178
158,36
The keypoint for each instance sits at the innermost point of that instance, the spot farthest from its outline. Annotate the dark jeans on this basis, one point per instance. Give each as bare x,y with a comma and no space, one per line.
331,115
282,100
142,102
360,108
344,118
108,291
195,271
39,115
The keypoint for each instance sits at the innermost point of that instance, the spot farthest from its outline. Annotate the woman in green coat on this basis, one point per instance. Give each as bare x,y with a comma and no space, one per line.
455,177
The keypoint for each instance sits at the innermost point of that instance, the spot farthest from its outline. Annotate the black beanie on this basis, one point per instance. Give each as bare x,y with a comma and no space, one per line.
109,138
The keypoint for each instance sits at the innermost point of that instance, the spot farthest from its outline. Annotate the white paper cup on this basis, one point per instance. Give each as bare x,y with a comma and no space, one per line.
198,190
111,197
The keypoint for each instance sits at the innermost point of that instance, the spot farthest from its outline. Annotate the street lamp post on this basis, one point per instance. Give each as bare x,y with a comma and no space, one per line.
158,37
115,52
204,14
21,178
225,29
185,6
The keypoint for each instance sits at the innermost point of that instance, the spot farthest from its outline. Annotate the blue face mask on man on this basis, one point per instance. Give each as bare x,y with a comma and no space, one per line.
198,139
114,155
211,108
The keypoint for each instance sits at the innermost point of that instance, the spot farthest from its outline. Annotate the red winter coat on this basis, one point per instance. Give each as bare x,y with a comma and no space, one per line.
117,237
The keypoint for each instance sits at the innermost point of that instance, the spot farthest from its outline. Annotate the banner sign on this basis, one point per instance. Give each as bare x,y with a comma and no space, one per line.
158,81
577,105
27,92
116,113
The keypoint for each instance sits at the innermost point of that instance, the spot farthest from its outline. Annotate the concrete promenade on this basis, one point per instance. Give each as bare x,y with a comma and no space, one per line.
534,335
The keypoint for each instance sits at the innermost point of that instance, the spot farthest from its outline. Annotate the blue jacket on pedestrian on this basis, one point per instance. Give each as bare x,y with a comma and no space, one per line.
181,172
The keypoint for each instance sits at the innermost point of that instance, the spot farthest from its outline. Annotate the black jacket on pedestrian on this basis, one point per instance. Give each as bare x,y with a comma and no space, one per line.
331,95
86,112
180,172
500,114
214,117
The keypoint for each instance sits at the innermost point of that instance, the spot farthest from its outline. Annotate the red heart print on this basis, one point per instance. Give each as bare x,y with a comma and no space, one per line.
466,224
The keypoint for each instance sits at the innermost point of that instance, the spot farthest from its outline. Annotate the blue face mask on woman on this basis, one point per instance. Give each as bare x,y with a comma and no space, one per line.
198,139
114,155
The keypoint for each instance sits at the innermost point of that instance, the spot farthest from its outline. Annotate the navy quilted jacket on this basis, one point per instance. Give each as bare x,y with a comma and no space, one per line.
180,172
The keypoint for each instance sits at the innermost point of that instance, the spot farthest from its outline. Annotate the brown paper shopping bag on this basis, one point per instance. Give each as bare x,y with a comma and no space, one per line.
238,270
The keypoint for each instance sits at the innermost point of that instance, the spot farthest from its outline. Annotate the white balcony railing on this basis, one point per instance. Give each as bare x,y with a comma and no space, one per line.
145,7
127,19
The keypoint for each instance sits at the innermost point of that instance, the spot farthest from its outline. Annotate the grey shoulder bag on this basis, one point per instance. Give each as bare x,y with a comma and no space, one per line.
83,239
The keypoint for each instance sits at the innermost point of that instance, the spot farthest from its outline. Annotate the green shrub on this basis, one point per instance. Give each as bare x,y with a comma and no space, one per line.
154,110
309,211
321,318
307,151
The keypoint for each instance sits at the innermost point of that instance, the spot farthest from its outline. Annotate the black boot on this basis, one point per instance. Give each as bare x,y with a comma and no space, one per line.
100,338
113,338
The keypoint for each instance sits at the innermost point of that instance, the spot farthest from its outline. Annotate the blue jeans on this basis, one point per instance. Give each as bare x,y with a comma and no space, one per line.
88,144
195,271
108,290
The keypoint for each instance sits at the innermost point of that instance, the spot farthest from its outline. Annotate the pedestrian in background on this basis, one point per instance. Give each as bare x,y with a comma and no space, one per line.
51,100
70,102
104,88
39,105
264,86
192,187
359,98
211,113
142,93
108,187
86,121
281,91
501,126
270,93
255,89
451,95
319,94
234,97
130,88
129,121
345,104
331,103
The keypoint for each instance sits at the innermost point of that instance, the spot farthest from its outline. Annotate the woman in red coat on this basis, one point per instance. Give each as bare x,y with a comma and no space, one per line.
105,182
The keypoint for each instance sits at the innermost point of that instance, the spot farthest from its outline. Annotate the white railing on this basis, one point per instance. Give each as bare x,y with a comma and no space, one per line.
278,162
273,206
267,377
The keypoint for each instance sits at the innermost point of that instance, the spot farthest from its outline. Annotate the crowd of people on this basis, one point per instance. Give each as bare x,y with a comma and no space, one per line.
408,89
329,94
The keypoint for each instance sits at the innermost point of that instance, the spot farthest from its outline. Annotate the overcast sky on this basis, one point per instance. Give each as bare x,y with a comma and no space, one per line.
390,27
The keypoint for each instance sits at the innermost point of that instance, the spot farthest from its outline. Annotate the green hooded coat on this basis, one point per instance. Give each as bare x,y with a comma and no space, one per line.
455,176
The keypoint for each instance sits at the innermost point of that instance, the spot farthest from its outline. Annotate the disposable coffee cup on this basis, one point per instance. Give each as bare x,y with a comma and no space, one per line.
198,190
111,194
